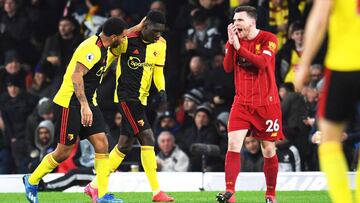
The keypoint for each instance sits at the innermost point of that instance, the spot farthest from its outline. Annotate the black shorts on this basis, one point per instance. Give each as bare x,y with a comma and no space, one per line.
339,96
134,118
68,124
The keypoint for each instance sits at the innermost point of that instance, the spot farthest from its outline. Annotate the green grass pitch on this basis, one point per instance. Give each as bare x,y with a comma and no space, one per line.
181,197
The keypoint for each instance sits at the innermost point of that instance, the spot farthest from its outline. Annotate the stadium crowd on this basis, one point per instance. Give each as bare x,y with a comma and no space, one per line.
38,38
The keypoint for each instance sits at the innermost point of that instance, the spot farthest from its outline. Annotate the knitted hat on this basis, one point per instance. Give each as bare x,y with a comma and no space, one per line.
206,108
223,118
13,80
195,95
45,106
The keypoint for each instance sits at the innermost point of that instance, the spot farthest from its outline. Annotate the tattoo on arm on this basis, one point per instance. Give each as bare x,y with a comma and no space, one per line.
78,82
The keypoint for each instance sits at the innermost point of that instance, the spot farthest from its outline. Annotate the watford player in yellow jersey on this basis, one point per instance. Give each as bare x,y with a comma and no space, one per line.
141,59
78,114
341,91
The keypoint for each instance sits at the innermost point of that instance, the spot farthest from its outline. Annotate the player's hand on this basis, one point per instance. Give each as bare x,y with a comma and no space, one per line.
302,76
236,42
141,25
230,33
54,60
86,116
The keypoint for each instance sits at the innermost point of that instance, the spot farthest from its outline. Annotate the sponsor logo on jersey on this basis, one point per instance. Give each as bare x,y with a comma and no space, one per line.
135,63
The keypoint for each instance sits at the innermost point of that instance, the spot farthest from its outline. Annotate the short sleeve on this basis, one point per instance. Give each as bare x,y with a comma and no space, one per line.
88,55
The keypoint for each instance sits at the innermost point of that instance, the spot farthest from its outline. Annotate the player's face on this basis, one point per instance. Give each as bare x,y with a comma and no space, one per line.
243,24
115,40
153,31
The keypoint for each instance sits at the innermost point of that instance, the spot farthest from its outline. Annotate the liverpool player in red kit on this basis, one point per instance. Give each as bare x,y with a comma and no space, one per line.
250,53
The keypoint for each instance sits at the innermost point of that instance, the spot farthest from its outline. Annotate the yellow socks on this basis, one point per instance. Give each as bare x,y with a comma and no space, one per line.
357,192
333,164
47,164
115,159
148,162
102,173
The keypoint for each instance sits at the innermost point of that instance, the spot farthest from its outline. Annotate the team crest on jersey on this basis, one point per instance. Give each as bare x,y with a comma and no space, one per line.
141,122
90,57
272,46
257,49
70,137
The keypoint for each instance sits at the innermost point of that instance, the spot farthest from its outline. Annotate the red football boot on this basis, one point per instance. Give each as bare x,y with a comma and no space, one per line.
91,192
162,197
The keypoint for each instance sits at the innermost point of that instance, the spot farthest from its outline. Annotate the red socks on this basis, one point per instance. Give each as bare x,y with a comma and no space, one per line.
271,168
232,169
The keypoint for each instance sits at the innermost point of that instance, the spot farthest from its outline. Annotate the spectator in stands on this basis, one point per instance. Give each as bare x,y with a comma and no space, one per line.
115,130
198,73
170,158
166,121
221,128
251,158
317,73
288,156
16,106
15,29
13,66
219,80
202,39
44,111
5,155
288,56
192,99
294,112
204,132
276,16
285,89
40,86
59,48
44,141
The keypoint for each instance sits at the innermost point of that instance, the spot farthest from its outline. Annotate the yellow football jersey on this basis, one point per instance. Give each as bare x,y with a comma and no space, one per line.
344,32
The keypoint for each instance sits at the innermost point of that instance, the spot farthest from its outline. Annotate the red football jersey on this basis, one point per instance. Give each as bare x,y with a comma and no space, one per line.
254,70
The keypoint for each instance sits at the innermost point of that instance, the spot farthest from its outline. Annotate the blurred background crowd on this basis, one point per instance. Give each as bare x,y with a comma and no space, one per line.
38,37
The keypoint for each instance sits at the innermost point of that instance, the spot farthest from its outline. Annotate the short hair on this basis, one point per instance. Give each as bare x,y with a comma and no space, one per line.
156,17
295,26
166,132
199,16
114,26
250,11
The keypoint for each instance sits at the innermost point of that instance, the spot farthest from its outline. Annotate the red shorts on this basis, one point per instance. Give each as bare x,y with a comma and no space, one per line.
264,122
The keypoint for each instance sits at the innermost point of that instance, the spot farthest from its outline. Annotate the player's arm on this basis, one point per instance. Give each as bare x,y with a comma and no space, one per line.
264,59
159,78
79,89
315,31
229,51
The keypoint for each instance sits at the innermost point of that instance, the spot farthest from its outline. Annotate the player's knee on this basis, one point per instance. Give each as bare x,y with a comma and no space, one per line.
61,154
234,145
124,148
269,151
146,138
101,144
